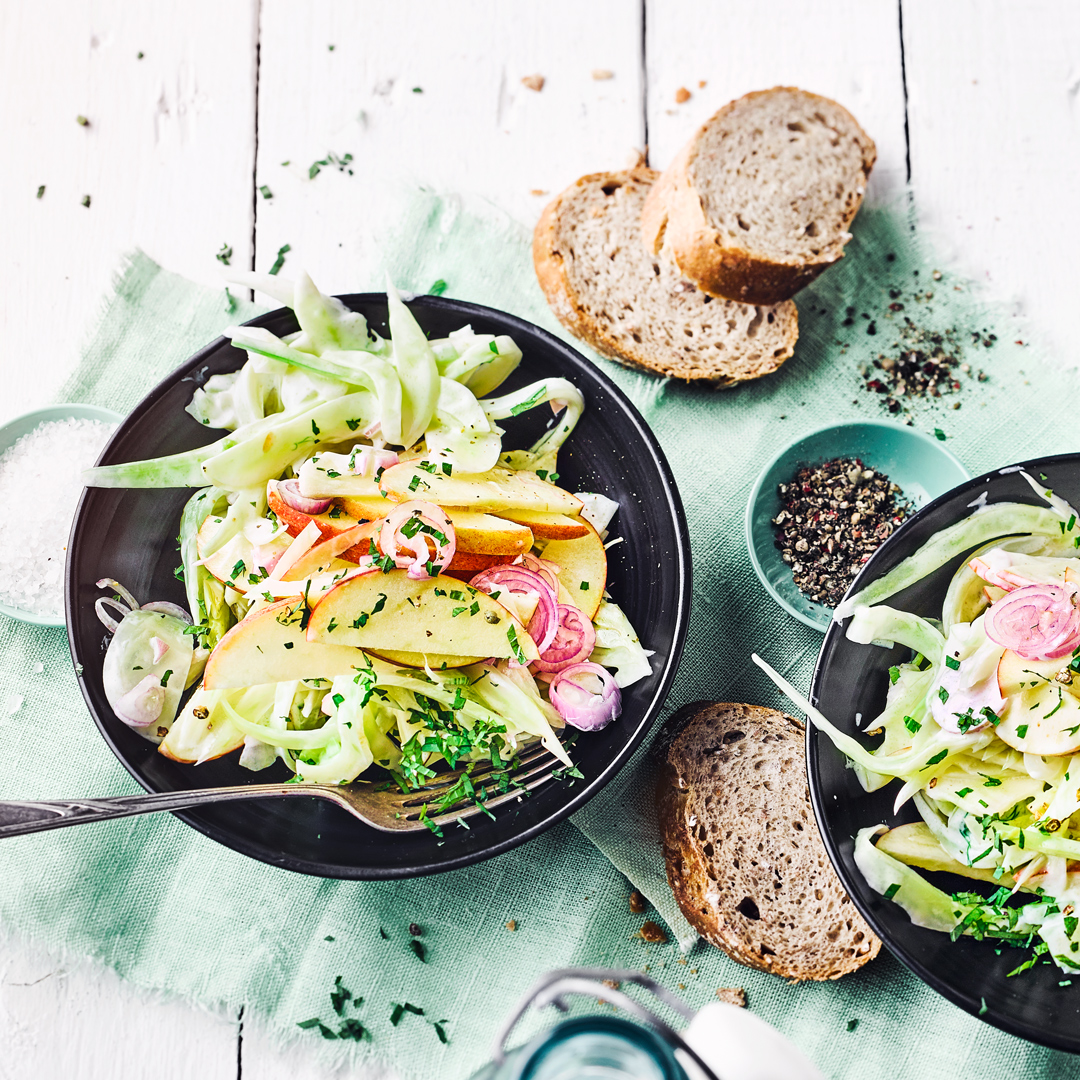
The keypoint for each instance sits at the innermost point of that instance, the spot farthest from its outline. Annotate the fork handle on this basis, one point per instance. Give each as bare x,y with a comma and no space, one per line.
18,818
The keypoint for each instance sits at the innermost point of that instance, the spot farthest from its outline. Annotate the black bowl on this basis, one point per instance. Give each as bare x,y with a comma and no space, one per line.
850,679
130,535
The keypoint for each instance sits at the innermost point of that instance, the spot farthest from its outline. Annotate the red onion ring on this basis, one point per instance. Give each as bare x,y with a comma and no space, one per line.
548,570
167,608
142,704
289,490
574,641
413,550
586,696
520,581
1037,622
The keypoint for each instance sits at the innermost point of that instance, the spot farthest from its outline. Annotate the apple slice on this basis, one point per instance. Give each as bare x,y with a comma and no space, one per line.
548,526
202,731
331,524
496,490
465,565
484,534
269,646
1043,715
395,612
582,568
435,661
365,507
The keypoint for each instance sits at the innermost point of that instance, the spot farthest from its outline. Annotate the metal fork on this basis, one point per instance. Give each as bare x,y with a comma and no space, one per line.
388,811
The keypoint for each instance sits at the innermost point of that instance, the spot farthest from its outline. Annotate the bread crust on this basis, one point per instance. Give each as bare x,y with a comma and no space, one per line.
568,307
694,842
674,215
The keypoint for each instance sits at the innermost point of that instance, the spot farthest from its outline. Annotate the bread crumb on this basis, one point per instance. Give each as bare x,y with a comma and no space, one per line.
613,984
635,159
652,932
702,83
682,960
732,995
637,903
681,95
600,74
537,191
534,82
512,925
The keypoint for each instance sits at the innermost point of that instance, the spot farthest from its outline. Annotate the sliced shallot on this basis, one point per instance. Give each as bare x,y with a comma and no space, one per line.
167,608
1038,622
419,538
142,704
548,570
586,696
521,581
370,461
289,490
574,641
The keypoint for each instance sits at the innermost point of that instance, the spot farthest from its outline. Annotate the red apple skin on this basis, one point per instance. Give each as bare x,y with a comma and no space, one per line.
296,520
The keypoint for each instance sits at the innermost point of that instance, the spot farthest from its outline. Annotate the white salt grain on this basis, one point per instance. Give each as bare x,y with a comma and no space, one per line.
13,703
40,482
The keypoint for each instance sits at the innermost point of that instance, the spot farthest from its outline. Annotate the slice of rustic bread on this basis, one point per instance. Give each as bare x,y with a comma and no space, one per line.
759,201
744,856
634,307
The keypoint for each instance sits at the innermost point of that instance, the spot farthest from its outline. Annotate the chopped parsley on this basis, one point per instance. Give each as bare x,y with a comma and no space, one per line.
894,674
165,677
511,636
912,724
937,759
225,254
952,662
437,288
892,890
279,262
940,435
1021,731
530,402
265,192
943,694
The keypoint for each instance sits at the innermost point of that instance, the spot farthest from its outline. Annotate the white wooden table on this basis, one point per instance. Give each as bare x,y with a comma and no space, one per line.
194,105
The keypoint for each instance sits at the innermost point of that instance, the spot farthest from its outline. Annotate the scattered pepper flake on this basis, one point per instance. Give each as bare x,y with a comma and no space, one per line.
834,517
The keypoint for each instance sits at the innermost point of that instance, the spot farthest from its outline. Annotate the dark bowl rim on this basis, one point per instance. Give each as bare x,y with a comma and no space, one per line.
815,740
683,595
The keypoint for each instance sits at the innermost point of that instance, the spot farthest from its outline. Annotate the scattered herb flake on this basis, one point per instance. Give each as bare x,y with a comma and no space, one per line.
279,262
437,288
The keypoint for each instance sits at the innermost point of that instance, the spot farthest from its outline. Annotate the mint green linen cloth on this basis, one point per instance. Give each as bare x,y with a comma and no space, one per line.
170,910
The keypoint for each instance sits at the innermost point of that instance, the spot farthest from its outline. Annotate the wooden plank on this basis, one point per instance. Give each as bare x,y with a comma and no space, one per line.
848,50
993,100
166,160
80,1022
431,96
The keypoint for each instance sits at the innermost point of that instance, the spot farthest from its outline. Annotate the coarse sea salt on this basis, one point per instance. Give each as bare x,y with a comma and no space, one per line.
40,484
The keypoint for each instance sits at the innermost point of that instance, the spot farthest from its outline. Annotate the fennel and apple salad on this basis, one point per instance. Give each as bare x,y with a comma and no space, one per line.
371,577
982,729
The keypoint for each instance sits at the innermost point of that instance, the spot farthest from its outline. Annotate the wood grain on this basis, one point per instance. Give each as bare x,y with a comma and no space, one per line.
445,108
82,1022
166,160
994,114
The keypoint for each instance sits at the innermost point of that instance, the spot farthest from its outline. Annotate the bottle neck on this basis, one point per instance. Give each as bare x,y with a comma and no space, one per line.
597,1048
